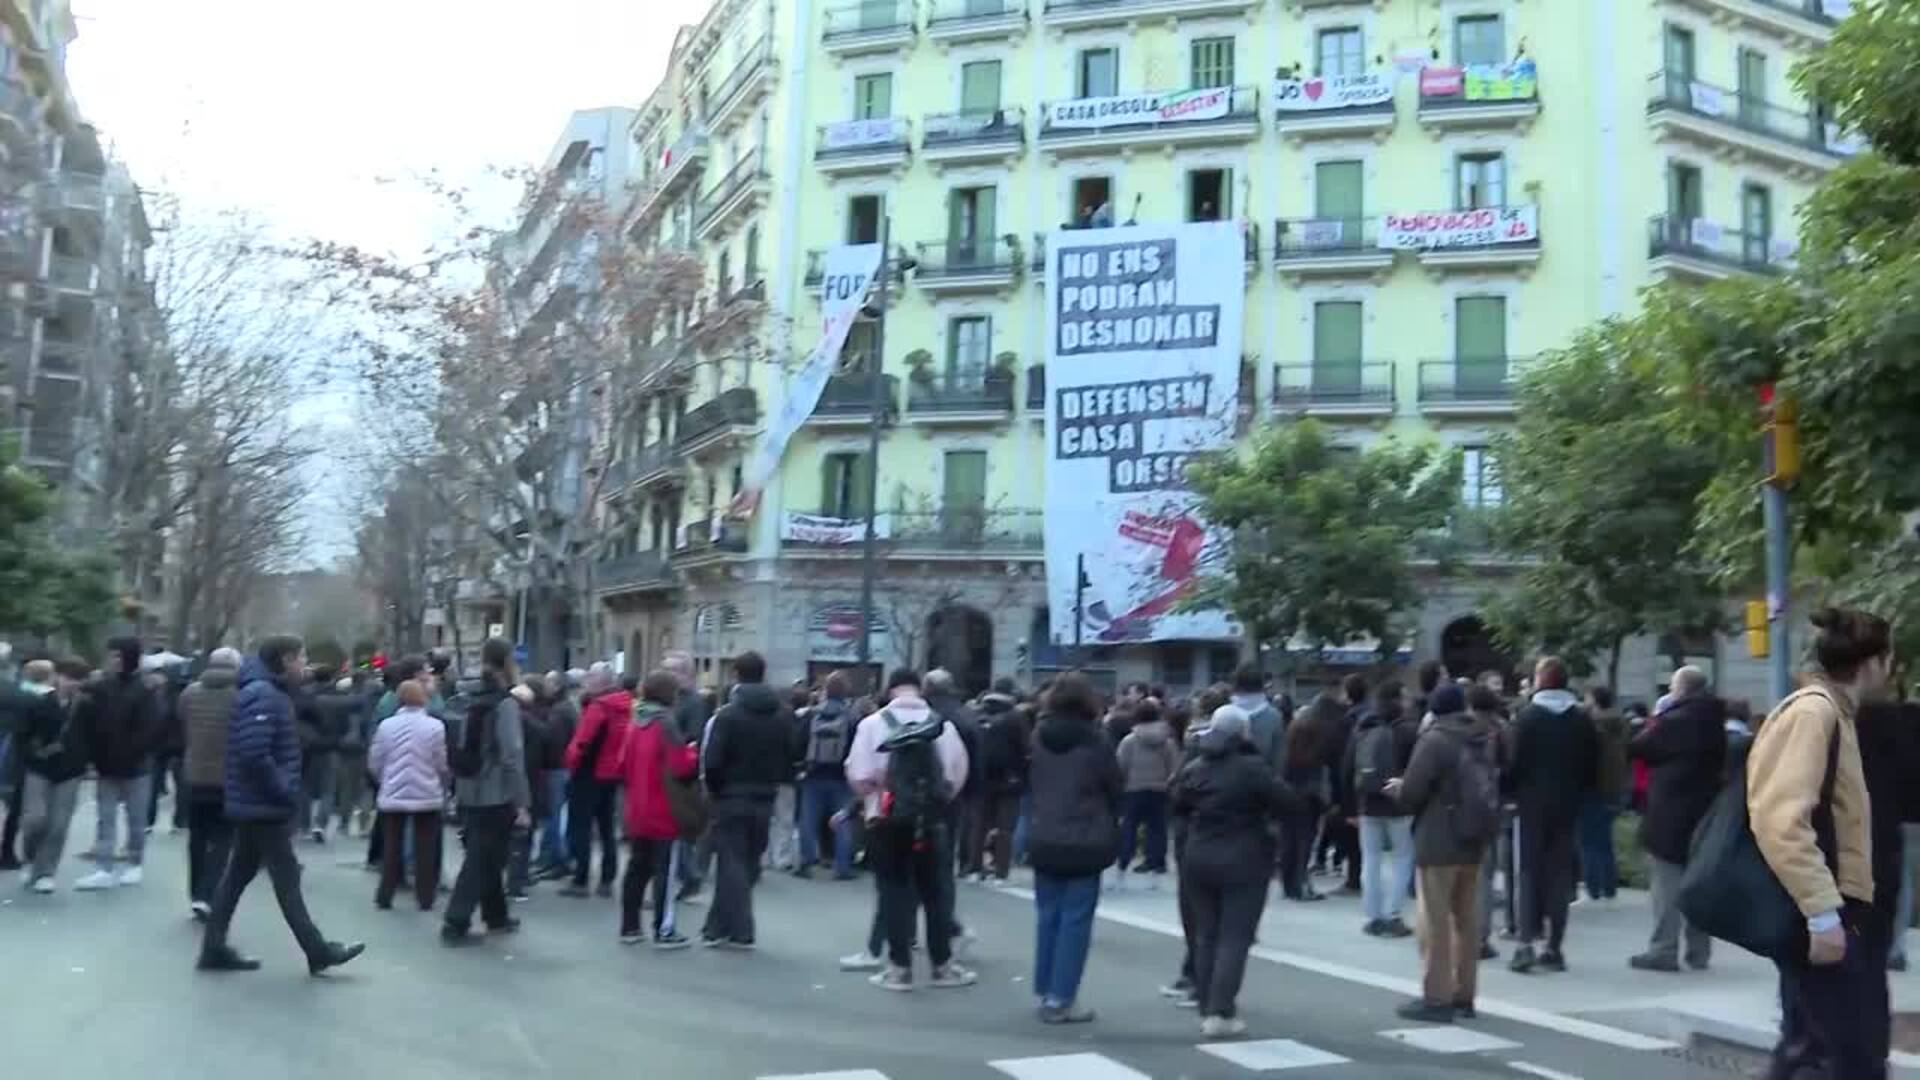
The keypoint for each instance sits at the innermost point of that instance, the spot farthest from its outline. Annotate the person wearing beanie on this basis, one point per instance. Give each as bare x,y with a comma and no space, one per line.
1452,789
119,722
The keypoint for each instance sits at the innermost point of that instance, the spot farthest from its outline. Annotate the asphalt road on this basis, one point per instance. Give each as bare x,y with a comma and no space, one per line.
101,987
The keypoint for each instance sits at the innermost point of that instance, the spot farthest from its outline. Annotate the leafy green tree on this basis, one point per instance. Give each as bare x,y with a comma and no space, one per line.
1323,539
1600,502
46,589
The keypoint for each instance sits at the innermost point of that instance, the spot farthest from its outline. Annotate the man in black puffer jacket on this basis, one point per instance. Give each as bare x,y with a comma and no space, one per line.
1074,836
1685,748
1004,742
749,754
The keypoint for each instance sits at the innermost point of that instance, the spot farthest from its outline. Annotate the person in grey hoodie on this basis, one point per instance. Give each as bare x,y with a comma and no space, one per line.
1149,760
1554,761
494,801
205,708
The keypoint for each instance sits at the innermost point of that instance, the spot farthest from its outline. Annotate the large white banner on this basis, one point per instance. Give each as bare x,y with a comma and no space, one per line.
848,275
1171,106
832,531
1332,92
850,134
1460,228
1143,371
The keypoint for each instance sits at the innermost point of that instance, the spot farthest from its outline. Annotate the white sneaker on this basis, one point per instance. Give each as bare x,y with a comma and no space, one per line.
200,909
965,941
861,961
43,886
94,882
132,875
1222,1027
952,976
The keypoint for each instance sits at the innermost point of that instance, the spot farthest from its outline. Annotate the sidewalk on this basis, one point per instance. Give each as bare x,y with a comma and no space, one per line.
1734,1002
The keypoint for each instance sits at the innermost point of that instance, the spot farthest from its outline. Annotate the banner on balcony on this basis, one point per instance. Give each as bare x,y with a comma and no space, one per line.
851,134
1172,106
1143,372
1518,81
1333,92
847,275
1460,228
825,531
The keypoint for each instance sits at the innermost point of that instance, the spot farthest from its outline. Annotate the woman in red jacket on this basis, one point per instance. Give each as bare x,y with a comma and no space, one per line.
593,759
653,751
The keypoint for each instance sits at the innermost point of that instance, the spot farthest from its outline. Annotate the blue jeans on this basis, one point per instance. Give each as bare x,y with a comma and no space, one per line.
1020,829
553,835
1386,852
1598,867
820,798
1144,810
1063,936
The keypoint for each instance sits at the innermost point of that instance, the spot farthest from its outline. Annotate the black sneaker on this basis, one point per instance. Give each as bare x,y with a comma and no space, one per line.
1374,928
455,936
1647,962
1553,961
671,943
334,955
575,892
1523,960
1394,928
1422,1011
1488,952
1464,1010
605,890
226,958
511,926
804,873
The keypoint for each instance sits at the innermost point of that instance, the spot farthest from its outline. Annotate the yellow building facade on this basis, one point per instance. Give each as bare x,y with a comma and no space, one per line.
1431,192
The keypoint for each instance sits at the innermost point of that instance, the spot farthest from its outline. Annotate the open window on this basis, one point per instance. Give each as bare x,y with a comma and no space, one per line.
1209,192
863,219
1090,195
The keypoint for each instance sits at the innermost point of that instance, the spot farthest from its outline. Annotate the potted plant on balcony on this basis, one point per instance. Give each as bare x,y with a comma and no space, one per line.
999,377
920,367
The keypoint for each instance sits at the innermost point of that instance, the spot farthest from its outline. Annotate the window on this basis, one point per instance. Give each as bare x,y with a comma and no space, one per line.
1339,192
858,350
969,343
751,271
980,87
1679,60
1090,194
1212,62
1753,85
872,97
1483,181
1099,73
1479,478
970,226
1756,223
879,14
863,219
1683,195
1479,39
1209,195
963,501
1480,343
1336,346
1341,51
844,482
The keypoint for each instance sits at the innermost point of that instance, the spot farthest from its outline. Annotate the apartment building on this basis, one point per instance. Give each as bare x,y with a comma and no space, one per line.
1430,191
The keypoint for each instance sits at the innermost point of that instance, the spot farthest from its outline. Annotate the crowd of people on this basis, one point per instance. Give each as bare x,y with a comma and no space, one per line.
1449,799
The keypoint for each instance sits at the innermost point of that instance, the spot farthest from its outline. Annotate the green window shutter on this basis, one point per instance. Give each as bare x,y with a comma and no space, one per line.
878,14
963,507
1212,61
860,477
872,97
1336,345
1480,342
1339,191
1479,39
1679,59
830,491
980,87
1753,76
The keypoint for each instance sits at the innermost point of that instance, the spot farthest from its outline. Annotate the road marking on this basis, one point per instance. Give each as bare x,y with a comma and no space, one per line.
1505,1010
1449,1040
1068,1067
1272,1055
850,1074
1540,1070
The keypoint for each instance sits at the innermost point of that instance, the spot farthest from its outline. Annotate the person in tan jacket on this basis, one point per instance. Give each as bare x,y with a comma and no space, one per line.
1834,1002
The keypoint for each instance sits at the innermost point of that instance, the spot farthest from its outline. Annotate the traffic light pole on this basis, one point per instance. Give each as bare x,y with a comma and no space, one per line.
1780,450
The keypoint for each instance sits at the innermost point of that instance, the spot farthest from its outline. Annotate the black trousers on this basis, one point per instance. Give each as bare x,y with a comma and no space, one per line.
590,810
1835,1021
209,841
1544,873
1225,917
994,820
258,845
650,862
483,875
428,837
739,832
14,798
908,872
1297,834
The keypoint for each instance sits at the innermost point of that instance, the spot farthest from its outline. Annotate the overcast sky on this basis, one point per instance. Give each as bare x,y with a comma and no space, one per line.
318,117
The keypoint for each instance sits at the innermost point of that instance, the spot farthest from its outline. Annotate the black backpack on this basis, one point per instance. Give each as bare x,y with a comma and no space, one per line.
916,792
1373,760
827,738
468,756
1476,811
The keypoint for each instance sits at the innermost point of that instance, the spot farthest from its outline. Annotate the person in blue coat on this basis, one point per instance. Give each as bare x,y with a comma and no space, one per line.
262,793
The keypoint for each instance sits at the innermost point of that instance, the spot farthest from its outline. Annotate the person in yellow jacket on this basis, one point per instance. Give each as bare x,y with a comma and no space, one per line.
1834,1001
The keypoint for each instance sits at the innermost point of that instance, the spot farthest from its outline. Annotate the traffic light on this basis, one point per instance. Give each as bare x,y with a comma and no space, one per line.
1782,437
1759,639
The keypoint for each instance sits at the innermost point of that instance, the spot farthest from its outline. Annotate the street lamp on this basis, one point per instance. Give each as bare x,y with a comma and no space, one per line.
876,419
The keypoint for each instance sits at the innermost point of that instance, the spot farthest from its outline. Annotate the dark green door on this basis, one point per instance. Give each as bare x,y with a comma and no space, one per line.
964,496
1336,350
1480,346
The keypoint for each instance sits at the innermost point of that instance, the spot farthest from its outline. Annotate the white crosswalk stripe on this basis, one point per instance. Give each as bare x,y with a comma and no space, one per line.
1449,1040
1272,1055
850,1074
1068,1067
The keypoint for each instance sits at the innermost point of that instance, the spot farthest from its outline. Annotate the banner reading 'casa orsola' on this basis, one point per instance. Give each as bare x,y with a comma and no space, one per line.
1143,372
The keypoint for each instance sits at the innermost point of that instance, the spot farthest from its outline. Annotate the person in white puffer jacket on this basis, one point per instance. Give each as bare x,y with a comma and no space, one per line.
409,759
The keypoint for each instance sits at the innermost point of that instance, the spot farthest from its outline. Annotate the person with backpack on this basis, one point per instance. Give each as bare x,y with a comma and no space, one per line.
412,775
823,781
659,768
487,748
1686,752
751,746
1554,761
55,762
205,708
1149,760
1308,750
906,766
1077,789
1005,738
593,759
1452,788
1377,753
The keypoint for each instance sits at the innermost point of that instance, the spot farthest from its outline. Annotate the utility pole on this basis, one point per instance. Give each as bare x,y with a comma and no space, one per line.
1079,605
876,420
1780,455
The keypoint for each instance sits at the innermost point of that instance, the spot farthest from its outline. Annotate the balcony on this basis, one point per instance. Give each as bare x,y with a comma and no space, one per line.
1358,389
1087,14
75,277
642,571
680,169
719,421
750,81
1486,238
657,466
1702,250
1800,23
968,530
1466,388
985,264
1731,125
705,538
1479,96
953,21
63,358
1329,247
1341,107
848,147
981,138
77,193
1154,119
868,26
847,400
959,397
734,197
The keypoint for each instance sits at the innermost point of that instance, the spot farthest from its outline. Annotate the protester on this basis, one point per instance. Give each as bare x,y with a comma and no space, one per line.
1077,787
563,719
1342,828
1307,750
1613,783
1835,1020
206,710
1685,749
262,790
655,757
823,783
119,723
320,731
691,713
943,697
750,750
1264,721
413,778
1227,799
490,781
16,705
54,761
1487,709
1554,761
1149,759
1005,741
1376,755
1452,788
593,761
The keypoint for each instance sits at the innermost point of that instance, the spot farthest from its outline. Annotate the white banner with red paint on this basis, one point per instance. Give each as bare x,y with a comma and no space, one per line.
1143,373
1169,107
1332,92
1484,227
823,531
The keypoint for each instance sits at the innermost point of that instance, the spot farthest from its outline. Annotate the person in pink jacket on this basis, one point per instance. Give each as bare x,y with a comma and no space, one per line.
409,759
653,755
